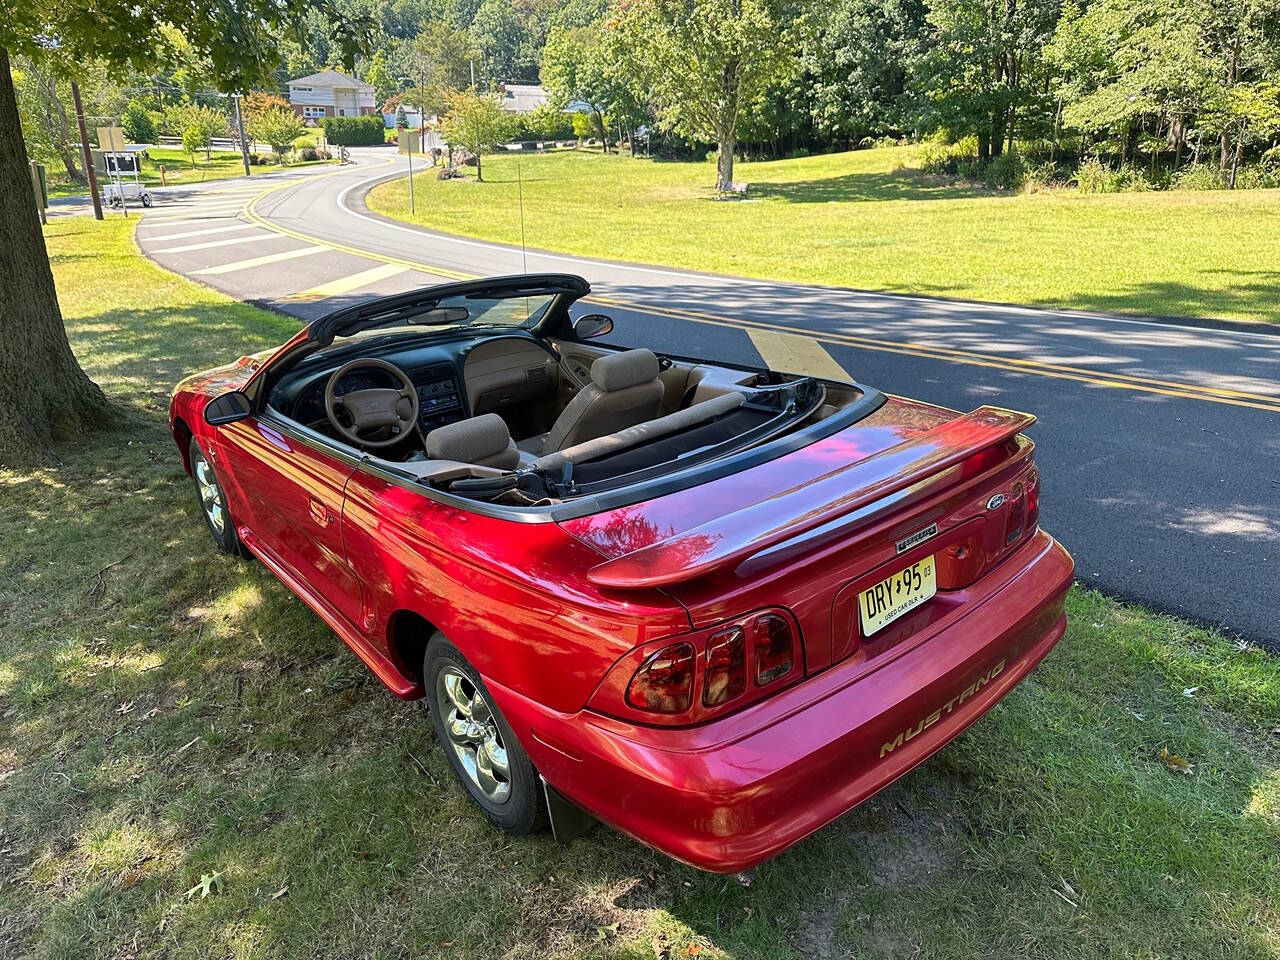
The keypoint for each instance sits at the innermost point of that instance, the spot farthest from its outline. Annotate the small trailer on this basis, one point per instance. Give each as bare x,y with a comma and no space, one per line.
123,181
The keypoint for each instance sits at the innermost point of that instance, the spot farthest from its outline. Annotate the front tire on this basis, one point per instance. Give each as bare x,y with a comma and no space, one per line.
481,748
213,501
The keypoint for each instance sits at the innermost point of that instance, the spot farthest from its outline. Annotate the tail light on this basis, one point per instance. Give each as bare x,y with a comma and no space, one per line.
699,676
1017,515
1033,498
772,647
726,675
664,682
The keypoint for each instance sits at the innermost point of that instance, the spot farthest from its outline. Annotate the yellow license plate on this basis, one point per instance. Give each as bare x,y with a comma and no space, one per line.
893,596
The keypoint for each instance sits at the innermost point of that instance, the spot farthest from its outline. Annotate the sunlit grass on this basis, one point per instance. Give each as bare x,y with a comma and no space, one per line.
872,220
169,713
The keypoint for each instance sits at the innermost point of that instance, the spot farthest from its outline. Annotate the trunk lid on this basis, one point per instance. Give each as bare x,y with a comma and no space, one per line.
811,529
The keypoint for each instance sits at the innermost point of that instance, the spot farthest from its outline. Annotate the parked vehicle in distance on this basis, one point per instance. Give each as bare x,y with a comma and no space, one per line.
713,606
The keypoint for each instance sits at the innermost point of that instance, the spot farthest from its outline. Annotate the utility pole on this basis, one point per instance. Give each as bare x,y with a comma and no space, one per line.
244,145
86,155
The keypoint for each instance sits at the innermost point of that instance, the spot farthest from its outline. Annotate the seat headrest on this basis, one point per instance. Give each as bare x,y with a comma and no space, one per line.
627,369
483,440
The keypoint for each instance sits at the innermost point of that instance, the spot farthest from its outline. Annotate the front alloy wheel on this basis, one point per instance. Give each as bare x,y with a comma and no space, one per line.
213,500
478,742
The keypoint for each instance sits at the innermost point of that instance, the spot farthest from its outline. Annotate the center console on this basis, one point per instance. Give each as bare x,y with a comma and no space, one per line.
439,398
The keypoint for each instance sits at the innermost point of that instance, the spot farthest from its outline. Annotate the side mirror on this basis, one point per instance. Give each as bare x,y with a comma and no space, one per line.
592,325
227,408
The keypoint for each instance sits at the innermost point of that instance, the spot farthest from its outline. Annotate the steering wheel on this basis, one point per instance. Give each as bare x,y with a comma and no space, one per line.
378,417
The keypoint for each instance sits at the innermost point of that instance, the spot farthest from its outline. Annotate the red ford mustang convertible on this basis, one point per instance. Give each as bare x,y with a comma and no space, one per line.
714,606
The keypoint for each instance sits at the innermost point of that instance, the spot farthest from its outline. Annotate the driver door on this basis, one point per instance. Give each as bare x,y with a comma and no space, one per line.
292,491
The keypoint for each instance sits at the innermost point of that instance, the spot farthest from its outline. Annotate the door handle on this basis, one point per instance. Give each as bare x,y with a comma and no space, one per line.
320,513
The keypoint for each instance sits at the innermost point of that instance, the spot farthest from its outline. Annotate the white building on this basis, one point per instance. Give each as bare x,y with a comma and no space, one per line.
331,94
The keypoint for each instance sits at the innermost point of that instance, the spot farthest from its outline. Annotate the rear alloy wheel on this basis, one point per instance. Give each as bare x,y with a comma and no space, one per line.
213,501
480,746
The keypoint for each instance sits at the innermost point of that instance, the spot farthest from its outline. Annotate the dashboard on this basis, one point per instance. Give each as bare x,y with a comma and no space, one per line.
452,379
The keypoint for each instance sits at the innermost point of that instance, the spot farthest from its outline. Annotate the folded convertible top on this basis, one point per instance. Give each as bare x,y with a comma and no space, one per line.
735,536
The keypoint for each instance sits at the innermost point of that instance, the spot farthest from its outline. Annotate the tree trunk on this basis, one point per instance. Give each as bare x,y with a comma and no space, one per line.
604,130
479,178
43,392
724,163
984,146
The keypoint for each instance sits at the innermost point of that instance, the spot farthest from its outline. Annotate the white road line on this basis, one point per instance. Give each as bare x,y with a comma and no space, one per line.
217,243
194,216
196,233
258,261
346,284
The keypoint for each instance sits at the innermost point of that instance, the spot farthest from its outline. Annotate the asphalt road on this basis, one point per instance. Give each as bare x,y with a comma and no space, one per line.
1159,442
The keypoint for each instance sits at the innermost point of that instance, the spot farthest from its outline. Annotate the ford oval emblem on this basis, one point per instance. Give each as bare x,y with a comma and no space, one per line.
996,502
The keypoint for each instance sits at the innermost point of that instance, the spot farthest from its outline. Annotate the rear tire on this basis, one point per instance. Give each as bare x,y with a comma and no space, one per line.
480,745
212,500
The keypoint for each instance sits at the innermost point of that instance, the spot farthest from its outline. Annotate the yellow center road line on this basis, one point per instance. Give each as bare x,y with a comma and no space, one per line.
229,242
1116,381
355,281
258,261
1256,401
792,353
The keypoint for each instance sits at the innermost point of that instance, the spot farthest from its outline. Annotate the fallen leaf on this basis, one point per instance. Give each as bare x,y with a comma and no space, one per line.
131,879
1189,691
209,883
1175,762
693,949
283,891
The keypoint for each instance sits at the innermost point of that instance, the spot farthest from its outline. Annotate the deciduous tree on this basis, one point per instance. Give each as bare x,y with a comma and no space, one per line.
704,61
474,120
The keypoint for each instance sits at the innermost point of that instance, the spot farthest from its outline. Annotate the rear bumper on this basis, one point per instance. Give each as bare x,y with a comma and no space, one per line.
728,795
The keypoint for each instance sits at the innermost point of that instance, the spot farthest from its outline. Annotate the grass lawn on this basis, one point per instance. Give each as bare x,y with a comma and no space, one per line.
222,165
871,220
170,713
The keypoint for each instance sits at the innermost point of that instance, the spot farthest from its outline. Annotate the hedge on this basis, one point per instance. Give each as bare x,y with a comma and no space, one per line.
355,131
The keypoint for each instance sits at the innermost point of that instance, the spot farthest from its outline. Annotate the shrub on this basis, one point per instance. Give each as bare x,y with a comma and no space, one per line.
1042,176
1092,176
866,143
139,122
1199,176
1005,172
309,153
304,143
355,131
1258,176
276,127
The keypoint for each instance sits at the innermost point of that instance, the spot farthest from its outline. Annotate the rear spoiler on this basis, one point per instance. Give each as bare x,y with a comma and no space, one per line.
732,538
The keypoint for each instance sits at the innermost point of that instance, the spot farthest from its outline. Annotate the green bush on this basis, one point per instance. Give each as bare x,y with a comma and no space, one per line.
304,143
308,153
1258,176
355,131
139,122
1199,176
1093,176
1005,172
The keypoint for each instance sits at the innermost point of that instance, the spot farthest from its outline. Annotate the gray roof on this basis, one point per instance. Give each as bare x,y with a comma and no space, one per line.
523,97
331,78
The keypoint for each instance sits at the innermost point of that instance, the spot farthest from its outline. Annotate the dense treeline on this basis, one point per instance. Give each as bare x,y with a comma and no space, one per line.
1116,93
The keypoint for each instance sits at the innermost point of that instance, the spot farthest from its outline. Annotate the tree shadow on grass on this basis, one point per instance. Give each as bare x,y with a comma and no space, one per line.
903,184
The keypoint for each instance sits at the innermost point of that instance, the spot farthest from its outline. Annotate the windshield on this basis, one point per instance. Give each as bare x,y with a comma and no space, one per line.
455,312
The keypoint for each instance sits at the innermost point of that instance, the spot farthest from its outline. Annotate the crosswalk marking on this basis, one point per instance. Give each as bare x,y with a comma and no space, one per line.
347,284
184,248
192,215
198,233
792,353
258,261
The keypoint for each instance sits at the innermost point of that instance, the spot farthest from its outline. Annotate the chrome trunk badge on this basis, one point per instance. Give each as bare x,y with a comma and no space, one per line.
920,536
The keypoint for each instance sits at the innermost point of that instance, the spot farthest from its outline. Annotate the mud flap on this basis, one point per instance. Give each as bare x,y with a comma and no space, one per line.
568,821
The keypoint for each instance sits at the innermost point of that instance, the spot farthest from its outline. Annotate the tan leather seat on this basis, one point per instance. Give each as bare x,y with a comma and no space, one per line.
624,391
